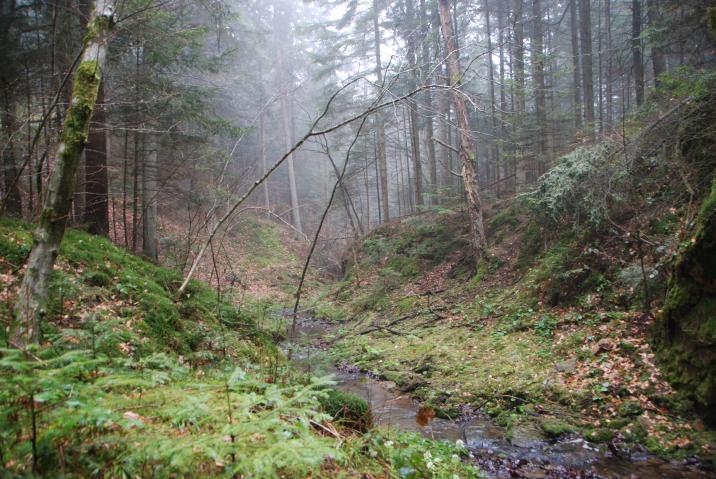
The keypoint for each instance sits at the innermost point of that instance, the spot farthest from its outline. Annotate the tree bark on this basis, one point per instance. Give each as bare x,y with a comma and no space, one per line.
467,148
379,123
31,304
96,179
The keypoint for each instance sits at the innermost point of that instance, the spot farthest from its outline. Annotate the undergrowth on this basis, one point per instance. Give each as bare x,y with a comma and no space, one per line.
132,381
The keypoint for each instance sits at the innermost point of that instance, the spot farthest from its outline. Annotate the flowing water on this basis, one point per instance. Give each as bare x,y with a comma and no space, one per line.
525,455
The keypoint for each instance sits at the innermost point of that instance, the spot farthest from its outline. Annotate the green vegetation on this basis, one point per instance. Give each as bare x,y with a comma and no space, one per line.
133,381
553,337
686,331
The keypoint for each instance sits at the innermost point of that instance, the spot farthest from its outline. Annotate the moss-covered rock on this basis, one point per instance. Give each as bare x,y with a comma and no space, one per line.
347,409
554,428
685,332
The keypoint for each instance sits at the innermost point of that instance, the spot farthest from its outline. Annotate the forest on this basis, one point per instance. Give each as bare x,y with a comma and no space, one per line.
358,239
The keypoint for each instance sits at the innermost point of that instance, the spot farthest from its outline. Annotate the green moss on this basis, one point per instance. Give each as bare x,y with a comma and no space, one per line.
630,408
554,428
347,409
600,435
685,332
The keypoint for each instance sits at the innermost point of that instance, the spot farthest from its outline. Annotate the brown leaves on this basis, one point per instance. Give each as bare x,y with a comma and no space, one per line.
425,415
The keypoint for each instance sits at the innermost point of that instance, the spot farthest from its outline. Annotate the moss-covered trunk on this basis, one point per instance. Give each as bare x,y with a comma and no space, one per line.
685,336
32,297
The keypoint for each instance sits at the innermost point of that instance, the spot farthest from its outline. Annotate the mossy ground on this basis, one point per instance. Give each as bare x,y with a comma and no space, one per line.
132,380
499,341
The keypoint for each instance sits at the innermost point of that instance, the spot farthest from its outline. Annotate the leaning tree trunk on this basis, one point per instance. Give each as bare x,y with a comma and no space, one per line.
468,158
32,297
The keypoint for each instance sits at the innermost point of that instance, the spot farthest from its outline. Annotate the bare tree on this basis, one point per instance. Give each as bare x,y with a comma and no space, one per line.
468,157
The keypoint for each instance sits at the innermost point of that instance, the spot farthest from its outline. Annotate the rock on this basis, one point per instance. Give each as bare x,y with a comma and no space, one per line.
685,330
568,366
527,435
603,345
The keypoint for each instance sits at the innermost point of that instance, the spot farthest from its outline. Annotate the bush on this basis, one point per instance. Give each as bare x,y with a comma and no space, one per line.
581,187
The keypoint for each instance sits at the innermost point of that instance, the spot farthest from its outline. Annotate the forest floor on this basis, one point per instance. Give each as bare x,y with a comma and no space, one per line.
498,342
132,380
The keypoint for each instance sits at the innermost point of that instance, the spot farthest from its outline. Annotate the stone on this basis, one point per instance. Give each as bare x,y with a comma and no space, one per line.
603,345
567,366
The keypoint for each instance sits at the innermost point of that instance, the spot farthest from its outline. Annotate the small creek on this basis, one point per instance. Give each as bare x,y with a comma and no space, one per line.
526,455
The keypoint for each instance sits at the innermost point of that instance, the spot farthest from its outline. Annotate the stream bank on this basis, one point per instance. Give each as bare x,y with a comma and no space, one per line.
525,453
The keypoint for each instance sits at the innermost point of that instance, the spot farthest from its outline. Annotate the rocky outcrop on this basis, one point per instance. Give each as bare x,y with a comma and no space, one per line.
685,335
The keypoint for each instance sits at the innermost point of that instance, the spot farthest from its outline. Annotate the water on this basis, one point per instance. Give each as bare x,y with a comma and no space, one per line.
527,455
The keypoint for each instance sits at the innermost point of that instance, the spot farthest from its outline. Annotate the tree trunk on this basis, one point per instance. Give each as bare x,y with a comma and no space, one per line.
428,99
149,202
96,180
414,121
585,30
540,96
467,148
264,165
576,69
658,59
30,307
636,51
609,77
379,123
11,194
520,103
493,106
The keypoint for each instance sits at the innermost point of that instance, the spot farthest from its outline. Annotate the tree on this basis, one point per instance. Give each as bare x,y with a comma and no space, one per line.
379,122
585,31
658,59
467,148
538,61
636,51
411,30
96,213
576,75
32,297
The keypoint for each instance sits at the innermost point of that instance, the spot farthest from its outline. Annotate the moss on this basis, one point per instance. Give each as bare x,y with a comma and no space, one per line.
630,408
685,331
600,435
98,278
347,409
553,428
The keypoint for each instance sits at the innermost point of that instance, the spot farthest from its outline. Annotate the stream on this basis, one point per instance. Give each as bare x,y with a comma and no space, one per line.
524,456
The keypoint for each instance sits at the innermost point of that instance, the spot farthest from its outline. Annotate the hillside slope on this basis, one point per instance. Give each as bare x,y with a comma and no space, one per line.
132,381
553,332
